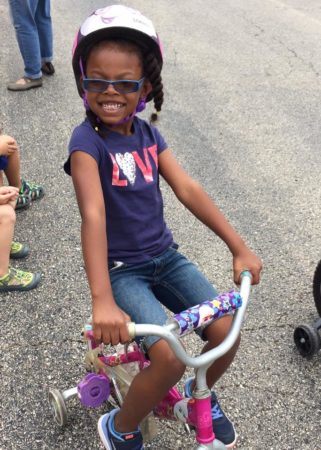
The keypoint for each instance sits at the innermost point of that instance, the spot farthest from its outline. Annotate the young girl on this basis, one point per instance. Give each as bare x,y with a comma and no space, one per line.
131,259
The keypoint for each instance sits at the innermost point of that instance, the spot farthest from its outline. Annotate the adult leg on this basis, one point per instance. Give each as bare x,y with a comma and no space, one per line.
7,223
23,16
44,26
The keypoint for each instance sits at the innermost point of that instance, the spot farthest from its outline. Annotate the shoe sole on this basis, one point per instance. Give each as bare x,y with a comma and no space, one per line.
23,87
19,255
102,425
30,286
21,207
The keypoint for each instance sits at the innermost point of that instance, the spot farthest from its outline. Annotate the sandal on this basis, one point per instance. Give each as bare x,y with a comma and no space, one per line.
23,201
34,191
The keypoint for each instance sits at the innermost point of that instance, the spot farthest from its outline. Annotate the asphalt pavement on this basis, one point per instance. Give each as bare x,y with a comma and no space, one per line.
242,115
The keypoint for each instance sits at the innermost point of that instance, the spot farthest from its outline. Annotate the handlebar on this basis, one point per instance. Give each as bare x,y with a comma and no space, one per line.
192,318
170,331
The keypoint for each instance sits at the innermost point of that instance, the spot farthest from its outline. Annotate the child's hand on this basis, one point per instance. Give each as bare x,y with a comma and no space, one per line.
110,323
8,194
247,260
8,145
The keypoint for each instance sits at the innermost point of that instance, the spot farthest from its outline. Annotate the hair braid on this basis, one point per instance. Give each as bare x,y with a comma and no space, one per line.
152,71
93,119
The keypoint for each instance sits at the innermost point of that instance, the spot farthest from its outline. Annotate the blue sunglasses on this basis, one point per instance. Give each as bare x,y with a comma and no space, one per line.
121,86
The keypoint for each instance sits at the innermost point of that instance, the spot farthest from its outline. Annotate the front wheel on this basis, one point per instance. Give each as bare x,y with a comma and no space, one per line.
317,288
58,405
307,340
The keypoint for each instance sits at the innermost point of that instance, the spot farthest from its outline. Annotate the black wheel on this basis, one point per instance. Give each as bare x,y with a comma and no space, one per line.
307,340
317,288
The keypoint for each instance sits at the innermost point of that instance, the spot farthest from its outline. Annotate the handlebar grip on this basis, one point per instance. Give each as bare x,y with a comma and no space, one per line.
206,312
131,330
246,273
88,330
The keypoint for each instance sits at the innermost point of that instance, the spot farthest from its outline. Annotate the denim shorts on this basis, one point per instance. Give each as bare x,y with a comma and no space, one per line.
3,162
168,279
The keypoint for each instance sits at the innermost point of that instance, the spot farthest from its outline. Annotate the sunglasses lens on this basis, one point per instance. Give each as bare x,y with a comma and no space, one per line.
121,86
95,85
126,86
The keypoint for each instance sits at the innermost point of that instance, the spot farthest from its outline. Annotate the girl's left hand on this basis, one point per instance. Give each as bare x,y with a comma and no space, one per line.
247,260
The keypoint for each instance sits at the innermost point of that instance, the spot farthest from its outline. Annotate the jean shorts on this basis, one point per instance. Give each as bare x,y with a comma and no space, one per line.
3,162
169,279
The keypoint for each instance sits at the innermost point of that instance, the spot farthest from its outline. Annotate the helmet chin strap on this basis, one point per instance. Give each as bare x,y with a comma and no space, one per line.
84,99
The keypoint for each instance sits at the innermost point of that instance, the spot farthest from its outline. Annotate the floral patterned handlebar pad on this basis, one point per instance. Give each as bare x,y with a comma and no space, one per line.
206,312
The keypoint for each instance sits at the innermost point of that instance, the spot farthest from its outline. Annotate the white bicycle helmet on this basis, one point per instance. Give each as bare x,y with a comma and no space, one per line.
114,22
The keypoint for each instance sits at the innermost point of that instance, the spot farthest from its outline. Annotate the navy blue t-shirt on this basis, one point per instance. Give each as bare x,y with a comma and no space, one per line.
128,169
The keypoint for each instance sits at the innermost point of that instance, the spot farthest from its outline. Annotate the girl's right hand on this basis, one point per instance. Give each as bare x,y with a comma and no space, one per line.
8,145
110,323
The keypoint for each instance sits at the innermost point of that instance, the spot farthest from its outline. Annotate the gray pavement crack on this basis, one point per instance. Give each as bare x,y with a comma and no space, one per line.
261,31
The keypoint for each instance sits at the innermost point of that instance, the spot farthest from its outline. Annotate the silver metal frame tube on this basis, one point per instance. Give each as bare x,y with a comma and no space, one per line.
197,362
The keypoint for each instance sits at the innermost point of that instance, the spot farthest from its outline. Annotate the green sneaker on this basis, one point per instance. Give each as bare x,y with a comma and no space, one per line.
23,201
18,250
17,280
34,191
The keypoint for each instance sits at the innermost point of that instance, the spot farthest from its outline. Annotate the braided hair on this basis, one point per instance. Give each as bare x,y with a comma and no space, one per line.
152,71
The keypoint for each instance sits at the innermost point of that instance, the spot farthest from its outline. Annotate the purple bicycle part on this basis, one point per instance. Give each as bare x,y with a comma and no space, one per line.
206,312
93,390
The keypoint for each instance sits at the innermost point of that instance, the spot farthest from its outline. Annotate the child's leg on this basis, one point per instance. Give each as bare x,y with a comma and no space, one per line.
27,190
133,293
215,334
14,179
1,177
13,170
7,223
149,387
183,286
